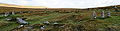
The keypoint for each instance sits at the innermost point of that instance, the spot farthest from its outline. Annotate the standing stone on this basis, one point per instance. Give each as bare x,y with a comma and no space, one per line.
94,15
6,14
29,11
108,14
21,12
102,14
13,13
116,9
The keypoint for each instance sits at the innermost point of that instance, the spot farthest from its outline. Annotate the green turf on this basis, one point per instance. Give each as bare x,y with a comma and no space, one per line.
33,19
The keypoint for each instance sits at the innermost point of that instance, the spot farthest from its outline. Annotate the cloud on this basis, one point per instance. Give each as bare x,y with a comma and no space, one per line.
64,3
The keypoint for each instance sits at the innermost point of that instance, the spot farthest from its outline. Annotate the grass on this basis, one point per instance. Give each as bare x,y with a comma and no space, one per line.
41,19
72,24
8,25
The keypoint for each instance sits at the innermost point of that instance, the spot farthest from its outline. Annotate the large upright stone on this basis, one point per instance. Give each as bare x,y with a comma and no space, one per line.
6,14
13,13
103,14
116,8
108,14
94,14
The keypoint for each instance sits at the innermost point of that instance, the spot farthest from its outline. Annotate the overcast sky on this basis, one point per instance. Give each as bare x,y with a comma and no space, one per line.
64,3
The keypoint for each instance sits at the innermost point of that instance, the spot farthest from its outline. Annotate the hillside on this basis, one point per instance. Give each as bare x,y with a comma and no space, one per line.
19,6
15,18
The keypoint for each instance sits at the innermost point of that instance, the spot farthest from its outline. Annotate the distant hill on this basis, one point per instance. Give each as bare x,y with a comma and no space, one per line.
106,7
19,6
11,7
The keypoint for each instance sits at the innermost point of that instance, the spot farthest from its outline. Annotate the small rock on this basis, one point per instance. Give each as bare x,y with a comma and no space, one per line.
46,22
42,27
55,23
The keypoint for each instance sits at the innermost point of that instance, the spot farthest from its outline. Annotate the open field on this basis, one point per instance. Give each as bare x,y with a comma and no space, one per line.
59,19
66,21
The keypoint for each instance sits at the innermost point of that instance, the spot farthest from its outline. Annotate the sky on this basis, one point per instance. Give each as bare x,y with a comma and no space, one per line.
64,3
